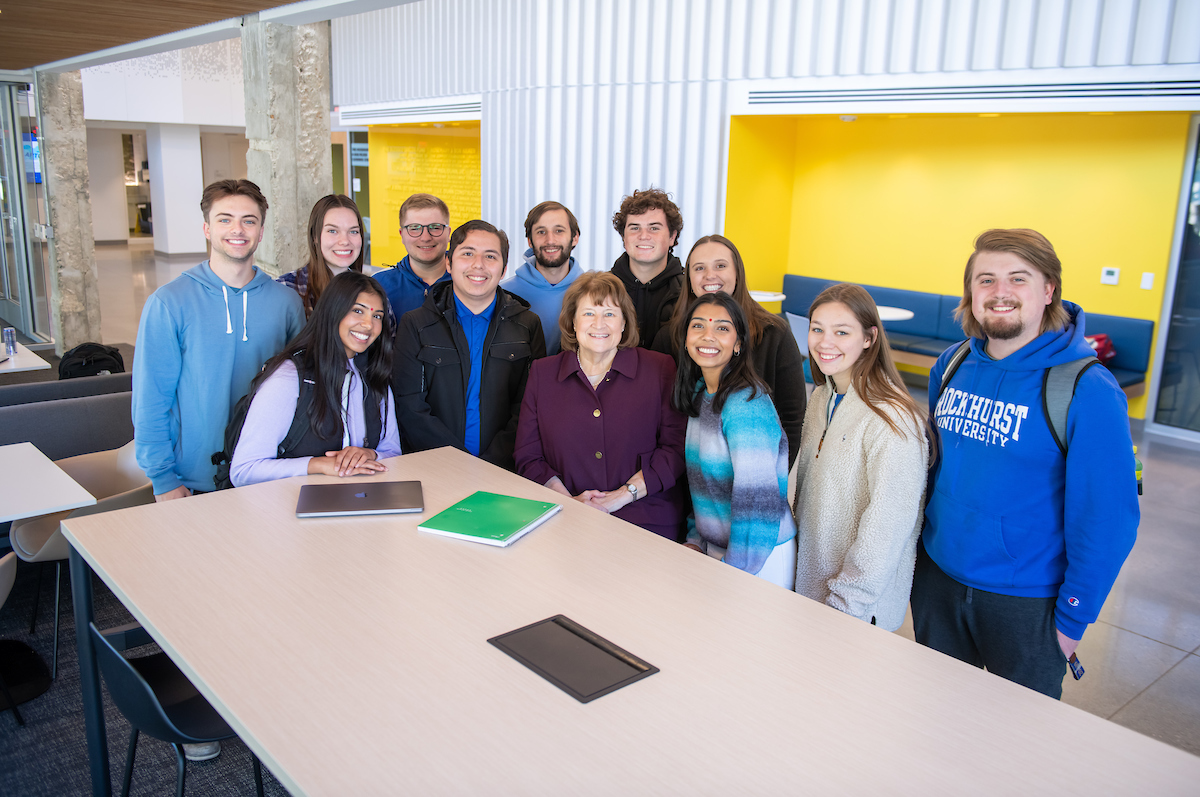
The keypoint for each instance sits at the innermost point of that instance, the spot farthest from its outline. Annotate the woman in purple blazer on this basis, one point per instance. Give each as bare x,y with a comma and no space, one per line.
597,423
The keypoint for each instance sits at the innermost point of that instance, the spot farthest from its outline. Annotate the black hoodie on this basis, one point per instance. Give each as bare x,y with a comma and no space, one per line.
653,301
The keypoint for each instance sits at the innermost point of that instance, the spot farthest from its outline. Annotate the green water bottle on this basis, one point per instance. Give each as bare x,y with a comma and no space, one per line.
1137,469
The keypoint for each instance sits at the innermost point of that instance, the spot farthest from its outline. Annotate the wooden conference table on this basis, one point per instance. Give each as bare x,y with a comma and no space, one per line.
351,655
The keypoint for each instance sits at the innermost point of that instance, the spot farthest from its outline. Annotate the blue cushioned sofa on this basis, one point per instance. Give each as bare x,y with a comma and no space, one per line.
918,341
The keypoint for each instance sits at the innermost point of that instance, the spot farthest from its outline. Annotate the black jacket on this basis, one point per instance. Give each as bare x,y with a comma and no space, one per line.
432,366
654,301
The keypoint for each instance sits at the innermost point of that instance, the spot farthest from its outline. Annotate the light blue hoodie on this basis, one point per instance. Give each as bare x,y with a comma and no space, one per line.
544,299
199,344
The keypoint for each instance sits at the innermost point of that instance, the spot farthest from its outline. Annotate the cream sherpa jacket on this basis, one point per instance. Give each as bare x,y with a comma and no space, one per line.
859,508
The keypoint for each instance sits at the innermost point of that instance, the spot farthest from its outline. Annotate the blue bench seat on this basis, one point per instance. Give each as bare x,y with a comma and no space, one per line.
918,341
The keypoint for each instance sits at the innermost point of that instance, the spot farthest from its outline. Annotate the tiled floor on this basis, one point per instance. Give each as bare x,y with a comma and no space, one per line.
1142,658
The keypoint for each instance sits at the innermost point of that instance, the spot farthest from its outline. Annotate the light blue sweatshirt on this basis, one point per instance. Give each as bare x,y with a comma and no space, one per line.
199,344
544,299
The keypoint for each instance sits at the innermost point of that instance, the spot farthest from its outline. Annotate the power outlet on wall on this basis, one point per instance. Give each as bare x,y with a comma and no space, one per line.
1110,275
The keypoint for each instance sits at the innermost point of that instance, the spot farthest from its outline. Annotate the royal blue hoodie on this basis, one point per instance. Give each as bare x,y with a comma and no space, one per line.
1006,514
405,290
199,344
544,299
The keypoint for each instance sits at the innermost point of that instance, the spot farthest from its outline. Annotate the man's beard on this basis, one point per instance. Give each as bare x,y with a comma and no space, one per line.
564,255
1003,329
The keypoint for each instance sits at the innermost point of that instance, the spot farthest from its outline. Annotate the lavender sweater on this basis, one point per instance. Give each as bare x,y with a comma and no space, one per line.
270,416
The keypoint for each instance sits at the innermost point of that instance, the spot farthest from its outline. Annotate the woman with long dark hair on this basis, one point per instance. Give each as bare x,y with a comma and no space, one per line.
335,244
736,451
862,466
336,375
714,265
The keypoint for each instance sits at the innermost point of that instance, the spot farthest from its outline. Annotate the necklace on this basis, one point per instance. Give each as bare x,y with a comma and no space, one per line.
585,373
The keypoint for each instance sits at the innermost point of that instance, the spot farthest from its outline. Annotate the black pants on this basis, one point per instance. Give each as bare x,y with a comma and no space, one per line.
1013,637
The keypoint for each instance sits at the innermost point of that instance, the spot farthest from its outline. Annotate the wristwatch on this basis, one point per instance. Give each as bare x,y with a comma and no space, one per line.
632,491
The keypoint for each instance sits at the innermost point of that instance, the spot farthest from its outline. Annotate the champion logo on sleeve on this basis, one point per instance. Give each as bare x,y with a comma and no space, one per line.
1073,601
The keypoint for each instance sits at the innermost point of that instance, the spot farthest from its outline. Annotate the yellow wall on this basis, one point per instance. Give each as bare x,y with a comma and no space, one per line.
758,198
897,201
410,159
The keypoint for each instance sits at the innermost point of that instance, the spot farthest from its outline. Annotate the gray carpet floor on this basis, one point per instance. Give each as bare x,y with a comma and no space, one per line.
48,756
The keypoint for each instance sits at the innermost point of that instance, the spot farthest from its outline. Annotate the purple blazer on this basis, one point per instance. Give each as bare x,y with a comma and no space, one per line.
597,439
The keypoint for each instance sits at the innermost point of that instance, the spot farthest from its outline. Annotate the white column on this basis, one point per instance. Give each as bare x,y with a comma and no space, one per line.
176,183
106,176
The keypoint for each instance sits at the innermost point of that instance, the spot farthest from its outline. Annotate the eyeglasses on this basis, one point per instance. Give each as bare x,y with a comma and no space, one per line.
415,229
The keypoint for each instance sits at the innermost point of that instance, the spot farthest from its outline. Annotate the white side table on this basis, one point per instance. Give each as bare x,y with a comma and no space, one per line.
32,485
23,360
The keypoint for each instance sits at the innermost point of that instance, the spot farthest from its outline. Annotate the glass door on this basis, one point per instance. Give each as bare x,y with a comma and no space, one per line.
1178,399
12,253
24,298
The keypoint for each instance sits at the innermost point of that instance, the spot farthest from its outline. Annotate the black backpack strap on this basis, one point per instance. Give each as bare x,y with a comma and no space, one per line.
373,421
1058,390
300,420
956,360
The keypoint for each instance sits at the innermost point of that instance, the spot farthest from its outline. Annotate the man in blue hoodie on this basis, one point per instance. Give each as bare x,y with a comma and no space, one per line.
202,338
1022,542
424,230
552,232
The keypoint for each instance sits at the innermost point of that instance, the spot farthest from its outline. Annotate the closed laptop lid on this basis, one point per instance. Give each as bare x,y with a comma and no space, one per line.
360,498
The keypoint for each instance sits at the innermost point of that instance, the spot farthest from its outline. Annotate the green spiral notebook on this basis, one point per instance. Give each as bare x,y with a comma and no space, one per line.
490,518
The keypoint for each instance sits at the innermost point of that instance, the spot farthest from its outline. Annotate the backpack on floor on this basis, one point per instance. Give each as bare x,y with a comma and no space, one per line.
91,359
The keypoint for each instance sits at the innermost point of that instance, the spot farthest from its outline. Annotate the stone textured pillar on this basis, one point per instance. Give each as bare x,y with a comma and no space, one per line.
74,295
286,73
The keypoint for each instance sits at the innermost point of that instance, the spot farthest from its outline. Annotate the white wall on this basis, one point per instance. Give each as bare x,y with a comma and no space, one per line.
223,156
584,101
199,85
106,181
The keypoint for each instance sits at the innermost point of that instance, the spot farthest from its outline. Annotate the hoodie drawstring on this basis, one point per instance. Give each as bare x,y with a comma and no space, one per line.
228,319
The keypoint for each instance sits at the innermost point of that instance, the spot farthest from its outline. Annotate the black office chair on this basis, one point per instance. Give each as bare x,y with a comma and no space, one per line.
157,698
8,574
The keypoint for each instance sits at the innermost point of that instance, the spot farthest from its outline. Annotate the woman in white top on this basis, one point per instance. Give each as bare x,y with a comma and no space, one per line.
333,380
862,466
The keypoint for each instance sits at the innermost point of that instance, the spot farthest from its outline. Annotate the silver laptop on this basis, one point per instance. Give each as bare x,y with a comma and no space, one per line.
360,498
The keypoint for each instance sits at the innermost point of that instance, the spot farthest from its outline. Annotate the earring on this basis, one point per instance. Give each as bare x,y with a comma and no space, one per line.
736,352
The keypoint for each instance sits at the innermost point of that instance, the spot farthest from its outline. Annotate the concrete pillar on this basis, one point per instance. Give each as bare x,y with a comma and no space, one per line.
74,295
286,73
176,183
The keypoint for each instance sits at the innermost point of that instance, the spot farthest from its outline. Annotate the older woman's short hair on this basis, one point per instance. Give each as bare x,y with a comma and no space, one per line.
598,287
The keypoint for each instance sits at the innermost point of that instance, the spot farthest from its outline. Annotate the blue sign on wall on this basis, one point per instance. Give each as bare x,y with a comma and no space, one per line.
33,163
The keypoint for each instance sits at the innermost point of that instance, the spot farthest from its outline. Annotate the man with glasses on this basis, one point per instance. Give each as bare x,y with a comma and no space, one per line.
649,224
424,229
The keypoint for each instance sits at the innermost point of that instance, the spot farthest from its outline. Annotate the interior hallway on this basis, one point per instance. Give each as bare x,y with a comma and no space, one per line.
1143,657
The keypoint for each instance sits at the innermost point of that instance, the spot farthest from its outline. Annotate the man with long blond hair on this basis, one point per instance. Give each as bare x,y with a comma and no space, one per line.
1024,533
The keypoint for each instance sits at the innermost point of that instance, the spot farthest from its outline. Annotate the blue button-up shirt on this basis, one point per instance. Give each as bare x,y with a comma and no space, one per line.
475,328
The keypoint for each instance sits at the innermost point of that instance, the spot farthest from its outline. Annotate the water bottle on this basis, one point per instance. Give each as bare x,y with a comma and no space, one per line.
1137,469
